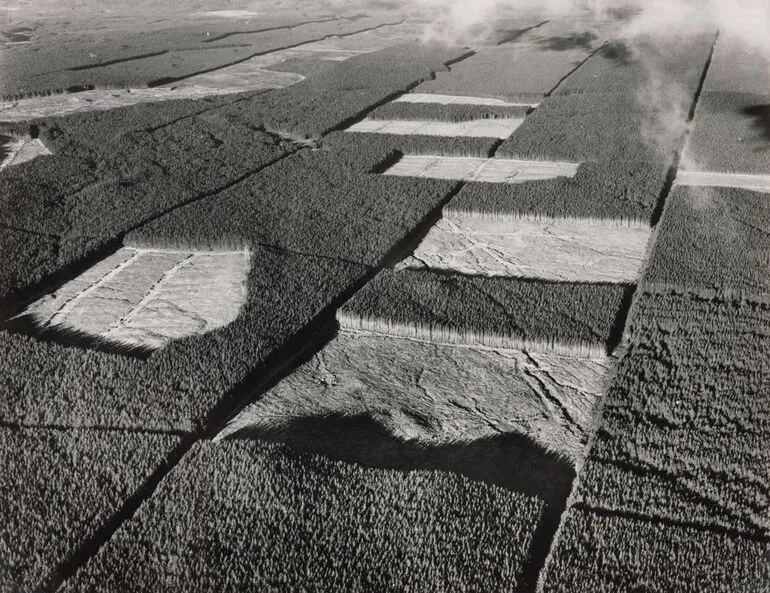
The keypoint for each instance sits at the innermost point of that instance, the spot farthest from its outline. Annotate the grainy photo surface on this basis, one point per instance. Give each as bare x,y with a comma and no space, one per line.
385,296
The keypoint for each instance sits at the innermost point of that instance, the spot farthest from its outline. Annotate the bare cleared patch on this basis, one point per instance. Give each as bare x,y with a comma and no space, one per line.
21,150
436,394
146,298
479,169
549,249
712,179
458,100
229,14
474,128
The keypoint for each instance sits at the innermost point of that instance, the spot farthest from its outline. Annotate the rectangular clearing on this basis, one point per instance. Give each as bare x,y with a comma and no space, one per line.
476,128
549,249
431,393
480,169
145,298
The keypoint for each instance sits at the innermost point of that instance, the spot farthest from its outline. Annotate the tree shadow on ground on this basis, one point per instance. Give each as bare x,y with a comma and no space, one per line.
6,144
760,114
511,461
73,338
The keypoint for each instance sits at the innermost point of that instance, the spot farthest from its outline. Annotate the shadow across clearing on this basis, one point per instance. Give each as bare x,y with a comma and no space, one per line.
509,461
6,145
74,338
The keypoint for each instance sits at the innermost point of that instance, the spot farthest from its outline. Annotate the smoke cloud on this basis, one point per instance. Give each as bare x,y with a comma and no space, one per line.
747,20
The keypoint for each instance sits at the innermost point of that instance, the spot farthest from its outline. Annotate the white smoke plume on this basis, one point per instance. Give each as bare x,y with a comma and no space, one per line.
634,24
748,20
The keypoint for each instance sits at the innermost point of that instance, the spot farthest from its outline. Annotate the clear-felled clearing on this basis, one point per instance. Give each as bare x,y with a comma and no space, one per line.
16,151
508,171
438,393
144,298
474,128
559,250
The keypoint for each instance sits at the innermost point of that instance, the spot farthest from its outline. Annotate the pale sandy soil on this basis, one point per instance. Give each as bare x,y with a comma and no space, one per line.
570,251
480,169
707,178
23,150
436,393
476,128
146,298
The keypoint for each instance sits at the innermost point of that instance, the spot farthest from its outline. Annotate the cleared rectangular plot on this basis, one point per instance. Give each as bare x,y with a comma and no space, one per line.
476,128
439,393
575,319
713,240
47,381
730,135
59,487
439,99
479,169
563,250
146,298
249,515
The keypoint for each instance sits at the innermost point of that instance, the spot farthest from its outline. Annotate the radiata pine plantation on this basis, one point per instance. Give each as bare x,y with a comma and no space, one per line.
385,297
